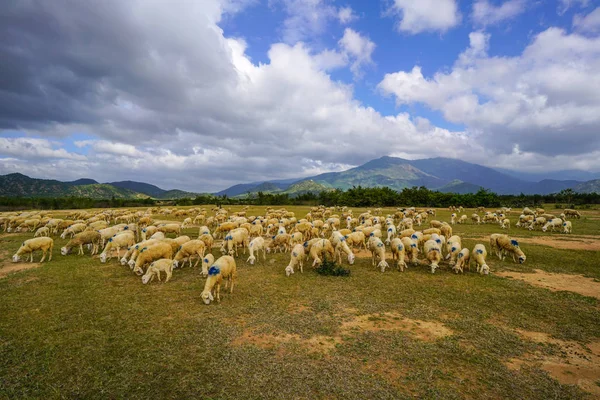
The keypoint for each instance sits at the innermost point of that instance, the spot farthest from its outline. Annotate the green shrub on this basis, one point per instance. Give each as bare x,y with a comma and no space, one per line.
330,268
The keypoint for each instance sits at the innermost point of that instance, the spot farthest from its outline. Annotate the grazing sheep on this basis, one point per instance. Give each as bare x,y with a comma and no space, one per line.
433,254
149,231
431,231
280,241
188,250
391,233
510,246
478,255
152,253
462,260
452,218
86,237
411,250
463,219
43,231
407,233
163,265
567,227
223,268
453,248
338,240
505,224
377,252
537,221
296,259
207,239
186,222
446,230
169,228
398,252
204,231
356,239
234,239
553,223
45,244
572,213
72,230
125,239
256,245
320,247
207,261
475,218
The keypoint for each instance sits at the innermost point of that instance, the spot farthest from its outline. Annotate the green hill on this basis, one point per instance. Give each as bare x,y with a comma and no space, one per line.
588,187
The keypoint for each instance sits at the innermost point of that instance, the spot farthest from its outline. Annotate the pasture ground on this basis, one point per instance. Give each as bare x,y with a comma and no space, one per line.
76,328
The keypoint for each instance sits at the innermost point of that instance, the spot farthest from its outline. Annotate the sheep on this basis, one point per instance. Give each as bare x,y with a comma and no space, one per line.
407,233
149,231
320,247
475,218
398,252
45,244
478,255
433,253
107,233
525,221
391,233
164,264
452,218
505,224
462,260
204,230
170,228
224,227
72,230
435,224
43,231
537,221
356,239
177,242
152,253
453,248
223,268
377,252
553,223
157,236
207,261
510,246
567,227
234,239
572,213
494,246
279,242
134,250
296,259
432,230
207,239
186,222
125,239
338,240
411,249
296,238
188,250
86,237
463,219
446,230
406,223
256,245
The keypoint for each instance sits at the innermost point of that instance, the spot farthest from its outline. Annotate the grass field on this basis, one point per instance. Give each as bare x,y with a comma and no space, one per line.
77,328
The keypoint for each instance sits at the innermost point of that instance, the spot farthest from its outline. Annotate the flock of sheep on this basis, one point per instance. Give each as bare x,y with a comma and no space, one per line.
323,232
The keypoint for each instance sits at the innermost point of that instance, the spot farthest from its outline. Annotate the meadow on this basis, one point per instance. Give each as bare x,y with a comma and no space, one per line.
76,328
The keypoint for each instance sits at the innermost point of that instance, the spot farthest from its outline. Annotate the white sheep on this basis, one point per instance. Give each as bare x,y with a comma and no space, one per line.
462,260
170,228
186,222
223,268
398,252
505,224
475,218
207,261
433,254
257,244
124,239
281,242
510,246
43,231
553,223
356,239
296,259
463,219
320,247
156,267
45,244
188,250
152,253
453,248
377,249
133,251
478,255
86,237
391,233
411,250
338,240
567,227
72,230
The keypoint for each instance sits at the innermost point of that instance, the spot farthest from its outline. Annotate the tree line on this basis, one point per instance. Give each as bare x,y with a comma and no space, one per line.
354,197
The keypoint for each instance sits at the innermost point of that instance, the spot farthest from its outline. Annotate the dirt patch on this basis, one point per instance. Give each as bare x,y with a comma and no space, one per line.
387,370
423,330
8,269
573,364
557,282
563,242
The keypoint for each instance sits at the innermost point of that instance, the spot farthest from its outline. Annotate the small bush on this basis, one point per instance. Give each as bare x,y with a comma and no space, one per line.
330,268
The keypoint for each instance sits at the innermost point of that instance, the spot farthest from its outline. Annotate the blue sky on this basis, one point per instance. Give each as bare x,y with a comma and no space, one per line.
161,91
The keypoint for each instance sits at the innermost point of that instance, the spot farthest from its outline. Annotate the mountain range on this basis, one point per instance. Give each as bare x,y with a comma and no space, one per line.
442,174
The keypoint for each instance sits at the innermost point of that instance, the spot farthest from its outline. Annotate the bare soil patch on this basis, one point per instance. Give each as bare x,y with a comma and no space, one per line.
9,268
422,330
564,242
573,364
557,282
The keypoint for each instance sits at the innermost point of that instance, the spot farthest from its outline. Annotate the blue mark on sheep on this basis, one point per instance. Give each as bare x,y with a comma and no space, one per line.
305,244
514,242
454,249
389,229
413,245
272,237
145,248
460,255
144,230
438,241
372,234
564,224
110,240
214,270
400,247
295,254
380,244
125,228
479,251
206,260
414,236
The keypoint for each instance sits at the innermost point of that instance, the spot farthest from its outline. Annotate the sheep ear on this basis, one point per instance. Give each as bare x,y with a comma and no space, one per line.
210,296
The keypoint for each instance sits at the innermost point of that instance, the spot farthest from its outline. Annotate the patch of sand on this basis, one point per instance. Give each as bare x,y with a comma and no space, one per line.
557,282
563,242
8,269
423,330
574,364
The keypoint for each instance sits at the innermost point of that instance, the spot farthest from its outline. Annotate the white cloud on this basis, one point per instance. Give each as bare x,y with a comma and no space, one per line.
485,13
306,19
564,5
588,23
544,101
34,149
426,15
346,15
359,47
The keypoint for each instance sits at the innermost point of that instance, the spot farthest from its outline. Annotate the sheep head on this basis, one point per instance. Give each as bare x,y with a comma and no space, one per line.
207,297
251,260
65,250
103,257
16,258
484,270
289,270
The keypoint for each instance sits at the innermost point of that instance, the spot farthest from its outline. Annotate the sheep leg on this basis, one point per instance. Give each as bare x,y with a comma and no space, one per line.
218,291
169,273
43,255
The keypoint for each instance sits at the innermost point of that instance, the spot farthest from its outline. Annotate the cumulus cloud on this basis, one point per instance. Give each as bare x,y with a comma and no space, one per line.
588,23
544,101
425,15
485,13
306,19
346,15
564,5
358,47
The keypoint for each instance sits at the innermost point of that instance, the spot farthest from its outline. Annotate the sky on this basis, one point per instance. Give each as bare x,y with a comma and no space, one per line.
200,95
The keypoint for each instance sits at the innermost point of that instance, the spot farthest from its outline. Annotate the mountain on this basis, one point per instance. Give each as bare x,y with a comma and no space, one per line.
255,187
82,181
308,186
564,175
443,174
103,191
140,187
588,187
